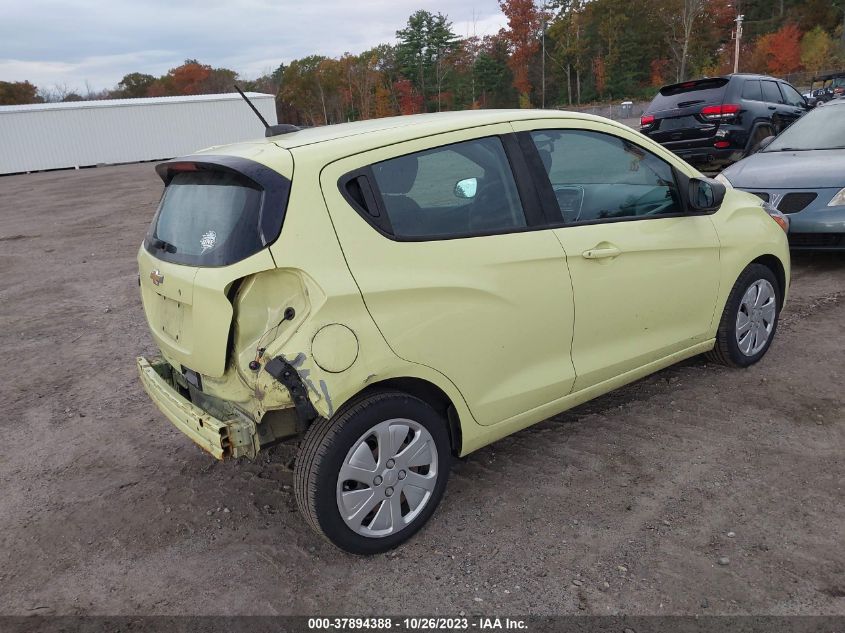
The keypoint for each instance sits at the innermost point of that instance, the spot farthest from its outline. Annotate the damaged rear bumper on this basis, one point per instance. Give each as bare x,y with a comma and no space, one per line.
234,437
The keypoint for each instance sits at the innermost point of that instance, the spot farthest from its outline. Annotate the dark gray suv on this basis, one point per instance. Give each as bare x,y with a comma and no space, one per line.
716,121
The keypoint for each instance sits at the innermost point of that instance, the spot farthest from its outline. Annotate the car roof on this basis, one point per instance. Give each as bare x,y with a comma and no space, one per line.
828,76
375,132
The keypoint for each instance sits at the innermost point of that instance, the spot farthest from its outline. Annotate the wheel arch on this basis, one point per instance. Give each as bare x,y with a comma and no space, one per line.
756,126
773,263
429,393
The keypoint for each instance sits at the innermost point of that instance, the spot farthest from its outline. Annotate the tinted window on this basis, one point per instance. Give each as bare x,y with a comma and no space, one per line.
791,95
771,94
689,93
458,189
207,218
598,176
751,91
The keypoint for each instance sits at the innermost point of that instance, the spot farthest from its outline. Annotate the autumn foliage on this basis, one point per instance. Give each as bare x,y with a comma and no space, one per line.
522,37
778,53
567,52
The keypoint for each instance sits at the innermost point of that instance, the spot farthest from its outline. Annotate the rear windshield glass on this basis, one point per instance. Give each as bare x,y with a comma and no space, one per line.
689,93
208,218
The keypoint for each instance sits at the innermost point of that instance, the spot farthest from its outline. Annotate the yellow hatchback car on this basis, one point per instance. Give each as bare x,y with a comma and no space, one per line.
398,292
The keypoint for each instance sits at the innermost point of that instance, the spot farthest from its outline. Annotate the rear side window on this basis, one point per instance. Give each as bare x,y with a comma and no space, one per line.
689,93
751,90
456,190
213,216
771,94
598,177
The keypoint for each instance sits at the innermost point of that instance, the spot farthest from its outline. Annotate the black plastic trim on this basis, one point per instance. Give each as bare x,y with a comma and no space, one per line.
545,191
528,196
286,374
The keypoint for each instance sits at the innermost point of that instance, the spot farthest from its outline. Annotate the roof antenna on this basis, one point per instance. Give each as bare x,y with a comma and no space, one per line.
269,130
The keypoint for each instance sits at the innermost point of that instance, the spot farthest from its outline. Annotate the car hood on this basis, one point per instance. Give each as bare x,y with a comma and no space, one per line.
814,169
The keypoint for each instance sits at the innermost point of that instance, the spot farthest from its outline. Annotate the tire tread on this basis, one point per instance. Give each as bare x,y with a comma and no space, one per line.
315,445
721,352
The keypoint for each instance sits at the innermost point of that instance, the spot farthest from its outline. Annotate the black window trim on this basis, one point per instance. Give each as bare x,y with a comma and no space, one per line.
535,218
544,184
275,193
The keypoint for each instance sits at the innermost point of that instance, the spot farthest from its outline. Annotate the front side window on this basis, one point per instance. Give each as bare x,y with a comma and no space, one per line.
460,189
791,95
598,176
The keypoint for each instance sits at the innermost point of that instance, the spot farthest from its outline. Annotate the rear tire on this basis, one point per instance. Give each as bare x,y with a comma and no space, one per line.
370,477
749,321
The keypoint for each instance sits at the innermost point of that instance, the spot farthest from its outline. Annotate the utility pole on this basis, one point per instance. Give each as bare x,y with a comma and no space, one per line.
543,63
739,19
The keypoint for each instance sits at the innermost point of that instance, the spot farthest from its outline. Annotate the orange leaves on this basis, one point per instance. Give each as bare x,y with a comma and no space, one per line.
778,53
523,37
600,74
188,79
410,101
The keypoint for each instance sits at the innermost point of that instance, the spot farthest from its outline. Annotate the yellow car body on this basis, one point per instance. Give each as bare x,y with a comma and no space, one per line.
497,331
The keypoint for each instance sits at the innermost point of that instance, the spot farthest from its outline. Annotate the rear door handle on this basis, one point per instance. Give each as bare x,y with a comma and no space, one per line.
601,253
772,107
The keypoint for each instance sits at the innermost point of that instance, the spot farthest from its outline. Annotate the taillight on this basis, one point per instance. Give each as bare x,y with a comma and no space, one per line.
721,144
724,111
646,120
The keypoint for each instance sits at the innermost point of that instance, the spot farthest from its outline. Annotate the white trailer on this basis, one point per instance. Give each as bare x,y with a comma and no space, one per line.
83,133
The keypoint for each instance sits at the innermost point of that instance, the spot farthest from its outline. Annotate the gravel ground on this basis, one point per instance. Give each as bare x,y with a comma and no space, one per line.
699,490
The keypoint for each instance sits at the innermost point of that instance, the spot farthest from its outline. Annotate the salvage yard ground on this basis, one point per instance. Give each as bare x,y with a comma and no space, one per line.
698,490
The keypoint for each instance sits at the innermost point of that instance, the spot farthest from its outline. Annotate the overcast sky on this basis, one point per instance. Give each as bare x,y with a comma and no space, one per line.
69,42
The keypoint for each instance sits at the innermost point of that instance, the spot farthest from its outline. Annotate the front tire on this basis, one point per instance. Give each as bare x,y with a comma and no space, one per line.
749,320
370,477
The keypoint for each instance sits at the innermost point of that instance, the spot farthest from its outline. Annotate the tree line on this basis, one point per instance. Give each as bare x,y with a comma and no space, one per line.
560,53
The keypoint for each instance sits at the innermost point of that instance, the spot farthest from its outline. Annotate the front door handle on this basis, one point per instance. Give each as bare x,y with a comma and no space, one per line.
601,253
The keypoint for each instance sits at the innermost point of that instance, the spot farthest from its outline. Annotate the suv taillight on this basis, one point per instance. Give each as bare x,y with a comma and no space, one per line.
717,112
646,120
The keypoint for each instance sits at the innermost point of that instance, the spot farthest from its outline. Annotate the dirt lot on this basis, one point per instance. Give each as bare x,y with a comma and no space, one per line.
107,509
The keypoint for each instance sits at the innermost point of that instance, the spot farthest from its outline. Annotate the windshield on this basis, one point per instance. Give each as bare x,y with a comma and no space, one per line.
823,128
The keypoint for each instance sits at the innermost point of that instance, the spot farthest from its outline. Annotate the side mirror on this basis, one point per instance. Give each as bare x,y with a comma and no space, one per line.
762,145
810,102
466,188
705,195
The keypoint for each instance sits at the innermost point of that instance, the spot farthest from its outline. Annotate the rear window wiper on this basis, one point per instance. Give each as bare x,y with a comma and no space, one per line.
167,247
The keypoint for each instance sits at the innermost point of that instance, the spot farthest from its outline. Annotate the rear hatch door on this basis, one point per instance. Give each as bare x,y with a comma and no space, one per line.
677,110
218,215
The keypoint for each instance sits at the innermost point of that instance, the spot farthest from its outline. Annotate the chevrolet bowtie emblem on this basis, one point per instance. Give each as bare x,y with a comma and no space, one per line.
157,278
